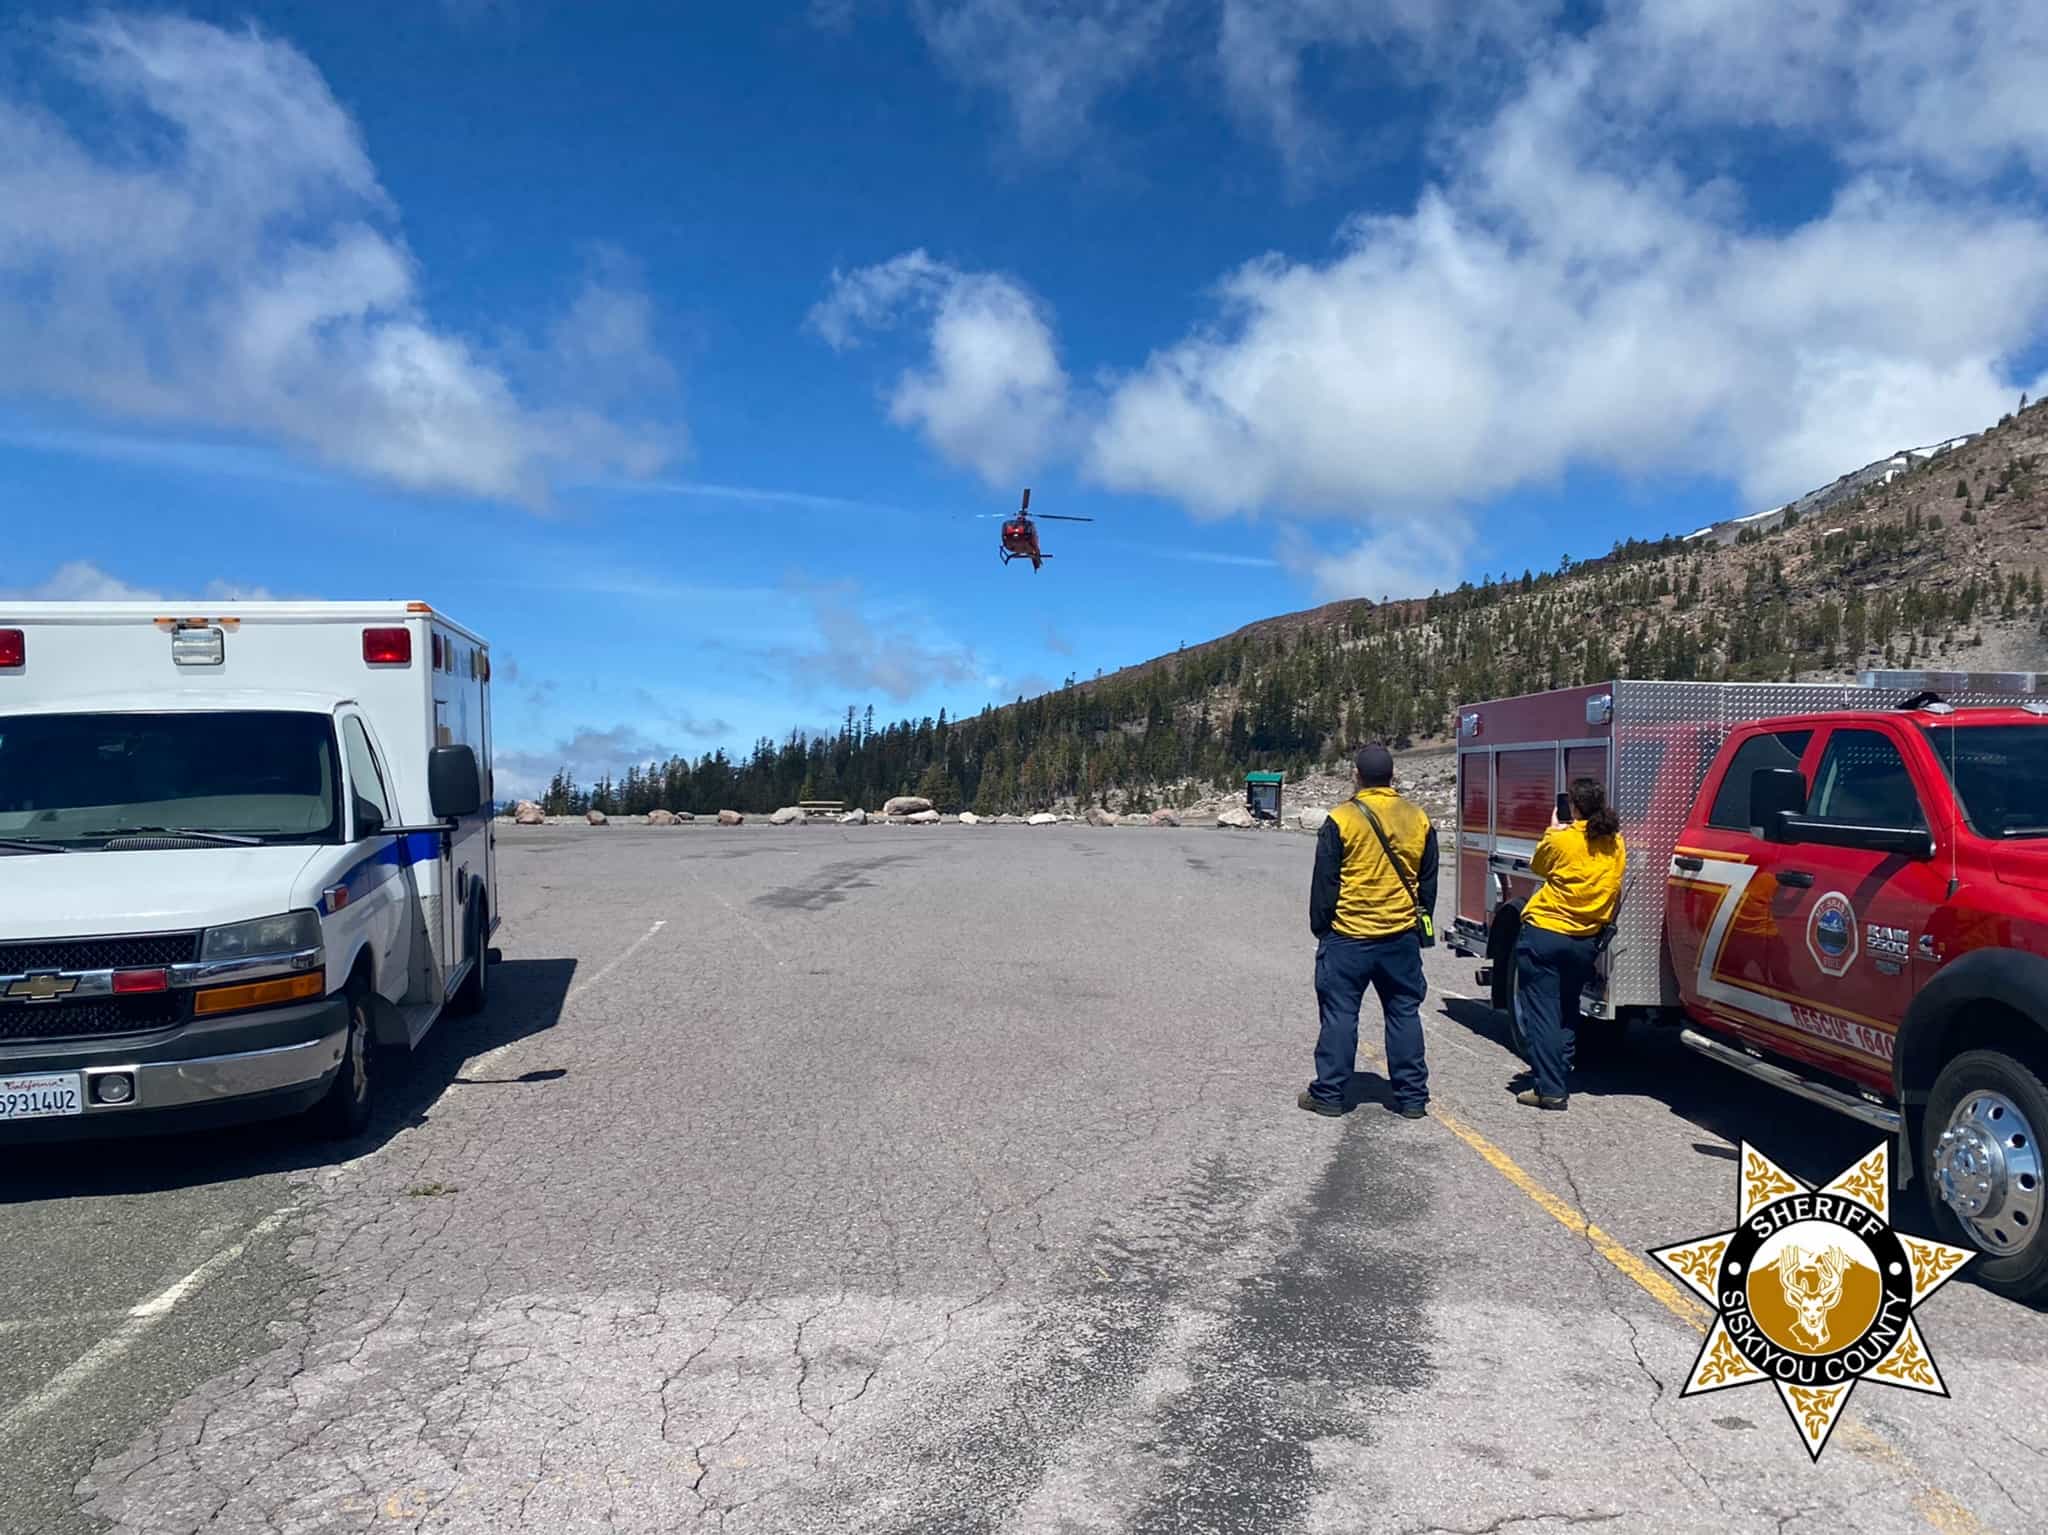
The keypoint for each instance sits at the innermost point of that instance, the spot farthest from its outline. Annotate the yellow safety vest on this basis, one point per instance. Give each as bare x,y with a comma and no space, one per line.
1372,901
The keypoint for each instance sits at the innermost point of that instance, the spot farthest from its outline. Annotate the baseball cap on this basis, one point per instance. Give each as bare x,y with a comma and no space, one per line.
1375,764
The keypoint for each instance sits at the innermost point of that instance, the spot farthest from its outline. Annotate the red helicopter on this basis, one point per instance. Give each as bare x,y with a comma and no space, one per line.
1020,534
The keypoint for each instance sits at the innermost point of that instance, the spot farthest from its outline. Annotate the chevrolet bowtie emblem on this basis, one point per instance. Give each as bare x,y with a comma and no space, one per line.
43,988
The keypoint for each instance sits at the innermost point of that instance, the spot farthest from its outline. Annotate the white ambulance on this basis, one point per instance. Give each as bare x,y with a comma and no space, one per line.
246,857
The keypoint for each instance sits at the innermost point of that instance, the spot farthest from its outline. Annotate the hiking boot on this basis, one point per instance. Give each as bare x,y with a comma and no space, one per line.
1536,1100
1315,1105
1409,1110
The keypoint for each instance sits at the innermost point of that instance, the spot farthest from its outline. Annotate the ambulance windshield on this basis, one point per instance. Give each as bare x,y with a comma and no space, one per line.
1999,772
78,780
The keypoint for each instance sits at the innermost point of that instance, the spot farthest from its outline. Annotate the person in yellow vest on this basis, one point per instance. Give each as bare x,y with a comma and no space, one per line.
1371,907
1581,864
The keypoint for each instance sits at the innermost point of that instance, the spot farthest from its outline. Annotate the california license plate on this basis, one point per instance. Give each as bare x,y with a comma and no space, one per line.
41,1097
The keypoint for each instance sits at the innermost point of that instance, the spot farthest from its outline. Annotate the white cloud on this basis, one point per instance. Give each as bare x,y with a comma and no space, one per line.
991,394
1406,558
1261,47
224,258
1563,296
1053,60
1953,88
83,581
856,647
1580,283
862,650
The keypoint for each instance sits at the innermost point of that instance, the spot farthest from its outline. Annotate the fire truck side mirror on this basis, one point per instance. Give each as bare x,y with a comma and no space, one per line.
1775,796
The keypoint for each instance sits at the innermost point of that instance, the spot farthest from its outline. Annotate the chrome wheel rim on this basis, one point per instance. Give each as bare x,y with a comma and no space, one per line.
358,1054
1988,1170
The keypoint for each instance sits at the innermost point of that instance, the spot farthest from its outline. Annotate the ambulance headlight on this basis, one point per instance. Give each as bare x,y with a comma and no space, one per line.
286,934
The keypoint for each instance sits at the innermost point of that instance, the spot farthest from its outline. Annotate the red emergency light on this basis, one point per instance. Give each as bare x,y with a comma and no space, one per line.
13,649
387,647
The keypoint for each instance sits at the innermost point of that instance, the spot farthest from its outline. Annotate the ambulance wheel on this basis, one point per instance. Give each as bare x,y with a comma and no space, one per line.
474,992
1981,1156
345,1112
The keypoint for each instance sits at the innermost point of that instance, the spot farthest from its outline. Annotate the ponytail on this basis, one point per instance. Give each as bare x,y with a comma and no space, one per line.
1590,801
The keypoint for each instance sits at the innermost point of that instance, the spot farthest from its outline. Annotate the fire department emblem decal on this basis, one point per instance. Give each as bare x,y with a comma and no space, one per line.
1831,933
1813,1291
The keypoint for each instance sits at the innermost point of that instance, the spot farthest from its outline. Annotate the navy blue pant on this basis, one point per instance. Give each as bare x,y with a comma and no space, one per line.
1393,968
1550,972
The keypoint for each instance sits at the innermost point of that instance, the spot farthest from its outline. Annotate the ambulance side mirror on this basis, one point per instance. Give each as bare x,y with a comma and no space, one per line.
453,787
1776,795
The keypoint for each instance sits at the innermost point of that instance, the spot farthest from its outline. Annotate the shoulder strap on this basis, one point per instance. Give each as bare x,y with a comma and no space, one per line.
1388,848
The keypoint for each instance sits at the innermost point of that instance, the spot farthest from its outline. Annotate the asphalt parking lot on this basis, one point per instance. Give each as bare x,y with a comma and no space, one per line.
944,1179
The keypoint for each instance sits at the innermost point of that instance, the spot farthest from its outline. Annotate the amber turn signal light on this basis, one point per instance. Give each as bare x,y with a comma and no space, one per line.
233,999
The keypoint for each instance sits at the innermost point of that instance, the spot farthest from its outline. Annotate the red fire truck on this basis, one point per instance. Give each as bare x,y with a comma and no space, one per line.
1839,890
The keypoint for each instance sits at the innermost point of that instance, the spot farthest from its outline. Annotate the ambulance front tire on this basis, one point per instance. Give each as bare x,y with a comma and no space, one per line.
1983,1169
345,1112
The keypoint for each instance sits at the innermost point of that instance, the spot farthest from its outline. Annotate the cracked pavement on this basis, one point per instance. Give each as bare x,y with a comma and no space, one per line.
944,1179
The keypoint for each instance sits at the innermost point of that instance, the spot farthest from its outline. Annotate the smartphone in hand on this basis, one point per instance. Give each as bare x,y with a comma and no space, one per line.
1564,810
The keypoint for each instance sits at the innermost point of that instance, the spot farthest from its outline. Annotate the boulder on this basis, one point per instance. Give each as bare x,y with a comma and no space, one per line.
1043,818
529,814
969,818
1311,817
1134,820
596,818
1008,819
1236,816
731,818
785,816
1164,818
923,818
854,818
1063,818
661,818
906,804
1097,816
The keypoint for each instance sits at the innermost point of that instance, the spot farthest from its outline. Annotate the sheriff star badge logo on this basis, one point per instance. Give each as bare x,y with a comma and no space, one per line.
1813,1291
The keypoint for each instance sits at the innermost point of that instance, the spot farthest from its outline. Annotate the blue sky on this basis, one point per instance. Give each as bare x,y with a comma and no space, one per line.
682,353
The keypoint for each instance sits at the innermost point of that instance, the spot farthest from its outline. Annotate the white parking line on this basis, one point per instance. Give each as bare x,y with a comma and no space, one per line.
491,1056
617,960
137,1322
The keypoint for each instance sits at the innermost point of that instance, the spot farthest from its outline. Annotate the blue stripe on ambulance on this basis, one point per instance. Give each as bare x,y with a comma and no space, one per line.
372,870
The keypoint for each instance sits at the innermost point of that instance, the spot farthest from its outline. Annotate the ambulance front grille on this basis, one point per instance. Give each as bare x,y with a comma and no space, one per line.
142,951
96,1018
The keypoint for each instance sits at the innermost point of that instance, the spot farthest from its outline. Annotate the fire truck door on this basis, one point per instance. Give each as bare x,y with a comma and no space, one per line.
1718,903
1838,958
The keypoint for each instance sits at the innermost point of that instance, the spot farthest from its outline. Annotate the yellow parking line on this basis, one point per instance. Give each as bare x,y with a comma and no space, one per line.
1941,1510
1661,1290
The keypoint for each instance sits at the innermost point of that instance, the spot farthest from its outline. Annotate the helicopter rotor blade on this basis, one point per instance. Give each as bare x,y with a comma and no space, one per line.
1058,517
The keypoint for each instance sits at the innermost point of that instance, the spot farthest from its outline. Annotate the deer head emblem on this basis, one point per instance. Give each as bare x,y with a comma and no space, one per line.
1813,1288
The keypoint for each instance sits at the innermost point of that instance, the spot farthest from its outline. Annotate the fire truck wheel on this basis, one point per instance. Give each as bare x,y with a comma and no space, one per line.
1982,1160
1500,956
